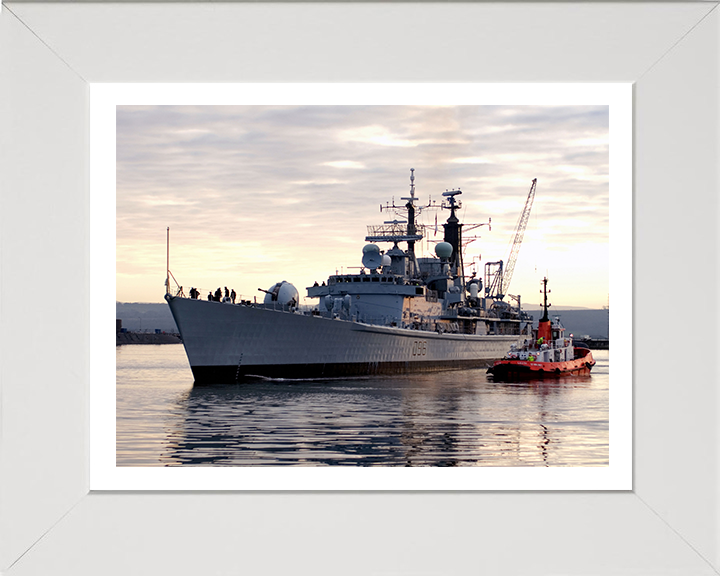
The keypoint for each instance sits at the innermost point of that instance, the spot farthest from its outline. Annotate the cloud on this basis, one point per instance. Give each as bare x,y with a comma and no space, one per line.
255,192
344,164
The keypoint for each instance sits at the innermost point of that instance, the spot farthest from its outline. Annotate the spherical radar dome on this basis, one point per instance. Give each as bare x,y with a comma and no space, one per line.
444,250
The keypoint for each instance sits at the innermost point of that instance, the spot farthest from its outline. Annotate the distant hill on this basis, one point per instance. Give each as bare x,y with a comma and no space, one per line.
140,316
534,307
580,321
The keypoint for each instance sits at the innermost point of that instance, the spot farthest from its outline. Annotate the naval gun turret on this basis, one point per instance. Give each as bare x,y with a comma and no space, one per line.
282,293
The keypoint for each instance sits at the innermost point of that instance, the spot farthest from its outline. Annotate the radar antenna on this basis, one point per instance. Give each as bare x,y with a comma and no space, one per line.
391,231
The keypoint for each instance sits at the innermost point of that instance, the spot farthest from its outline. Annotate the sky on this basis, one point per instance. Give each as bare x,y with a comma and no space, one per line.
258,194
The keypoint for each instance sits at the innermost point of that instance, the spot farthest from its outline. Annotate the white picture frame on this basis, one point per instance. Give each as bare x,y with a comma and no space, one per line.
105,99
51,52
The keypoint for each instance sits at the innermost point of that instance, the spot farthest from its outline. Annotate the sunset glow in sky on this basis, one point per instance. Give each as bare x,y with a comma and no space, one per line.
258,194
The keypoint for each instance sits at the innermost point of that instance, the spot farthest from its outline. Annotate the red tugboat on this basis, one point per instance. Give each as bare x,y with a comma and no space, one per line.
548,355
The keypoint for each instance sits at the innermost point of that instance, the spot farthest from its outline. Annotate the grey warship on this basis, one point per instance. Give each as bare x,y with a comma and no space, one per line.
399,314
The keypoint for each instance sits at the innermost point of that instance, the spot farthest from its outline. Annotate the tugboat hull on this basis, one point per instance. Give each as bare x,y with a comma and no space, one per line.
549,355
527,370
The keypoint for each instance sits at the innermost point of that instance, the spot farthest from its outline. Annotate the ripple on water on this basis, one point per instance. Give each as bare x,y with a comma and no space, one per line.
443,419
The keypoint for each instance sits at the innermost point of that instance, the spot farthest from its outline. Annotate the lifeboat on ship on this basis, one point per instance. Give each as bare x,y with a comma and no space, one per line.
548,354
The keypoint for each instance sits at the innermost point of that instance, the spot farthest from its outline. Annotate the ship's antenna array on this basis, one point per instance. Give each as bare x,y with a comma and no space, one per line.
399,230
410,231
409,200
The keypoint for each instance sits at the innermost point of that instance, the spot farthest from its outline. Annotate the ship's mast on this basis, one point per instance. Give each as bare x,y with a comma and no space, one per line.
392,231
544,329
167,269
411,227
545,317
453,232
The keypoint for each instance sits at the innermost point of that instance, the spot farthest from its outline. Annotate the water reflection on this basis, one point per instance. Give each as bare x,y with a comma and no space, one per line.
443,419
425,435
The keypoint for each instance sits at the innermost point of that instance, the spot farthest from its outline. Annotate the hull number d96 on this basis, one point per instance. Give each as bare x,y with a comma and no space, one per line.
419,348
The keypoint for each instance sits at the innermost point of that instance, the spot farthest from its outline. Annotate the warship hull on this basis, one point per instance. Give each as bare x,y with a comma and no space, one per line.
228,343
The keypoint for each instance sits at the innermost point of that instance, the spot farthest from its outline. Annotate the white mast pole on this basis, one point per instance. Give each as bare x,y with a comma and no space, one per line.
167,274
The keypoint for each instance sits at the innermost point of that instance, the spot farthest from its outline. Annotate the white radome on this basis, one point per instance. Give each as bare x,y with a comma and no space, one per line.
444,250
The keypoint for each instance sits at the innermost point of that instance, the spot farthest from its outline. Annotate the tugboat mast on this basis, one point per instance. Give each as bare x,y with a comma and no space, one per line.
545,317
544,328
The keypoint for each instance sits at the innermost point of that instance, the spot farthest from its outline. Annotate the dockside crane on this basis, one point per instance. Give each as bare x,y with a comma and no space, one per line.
497,275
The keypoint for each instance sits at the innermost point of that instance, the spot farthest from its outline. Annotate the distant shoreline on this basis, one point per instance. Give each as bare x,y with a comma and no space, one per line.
125,338
528,307
151,316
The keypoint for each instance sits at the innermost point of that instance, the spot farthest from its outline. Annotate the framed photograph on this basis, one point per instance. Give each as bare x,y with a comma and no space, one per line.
291,163
65,493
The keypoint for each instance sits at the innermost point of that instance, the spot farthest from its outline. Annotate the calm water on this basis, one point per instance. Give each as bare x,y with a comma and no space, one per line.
444,419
